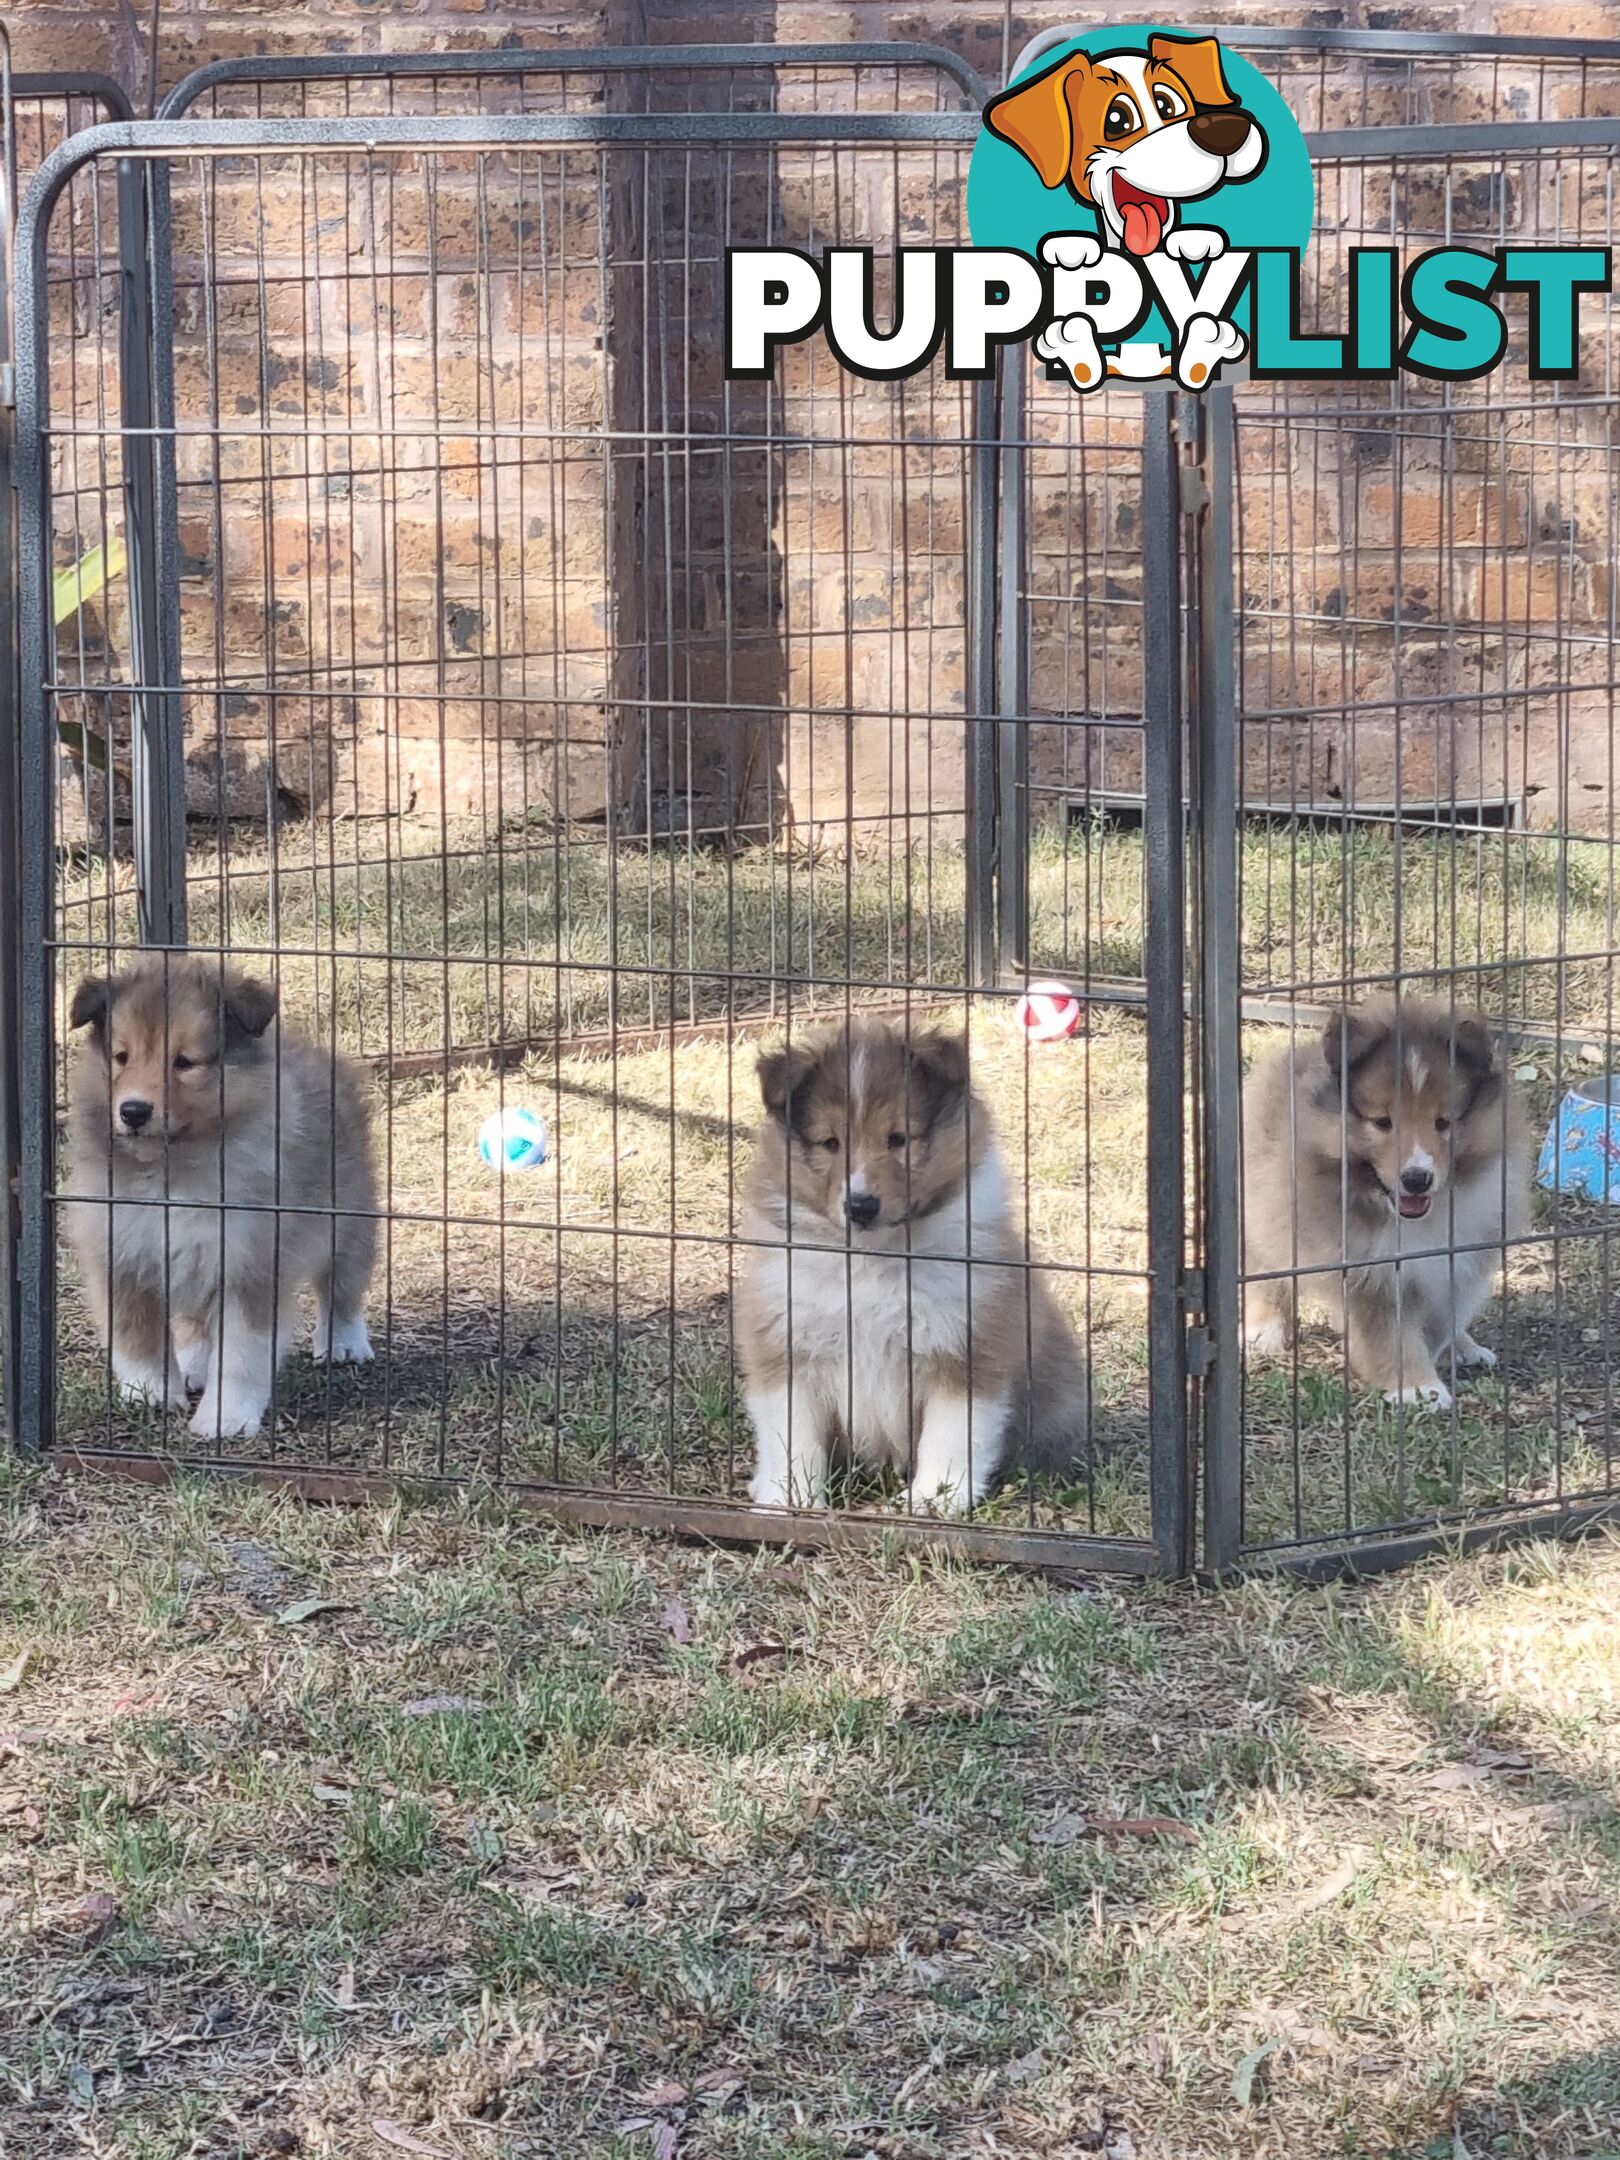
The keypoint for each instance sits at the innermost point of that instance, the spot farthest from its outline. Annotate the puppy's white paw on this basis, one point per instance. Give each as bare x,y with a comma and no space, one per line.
1269,1337
1195,243
1472,1356
346,1344
192,1359
771,1489
1071,344
1071,250
1431,1395
228,1416
945,1500
1205,344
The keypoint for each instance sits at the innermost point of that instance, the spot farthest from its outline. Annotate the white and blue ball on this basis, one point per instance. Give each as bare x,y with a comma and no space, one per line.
513,1139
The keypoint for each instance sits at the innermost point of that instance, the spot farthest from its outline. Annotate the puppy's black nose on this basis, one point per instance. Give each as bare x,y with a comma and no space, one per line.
862,1209
1416,1181
1222,134
134,1112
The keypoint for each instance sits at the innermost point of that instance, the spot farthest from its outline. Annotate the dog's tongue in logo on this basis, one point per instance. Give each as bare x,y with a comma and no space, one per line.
1143,217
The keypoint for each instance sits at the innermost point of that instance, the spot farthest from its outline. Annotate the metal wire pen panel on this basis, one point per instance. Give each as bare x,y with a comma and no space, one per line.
37,113
1425,770
556,726
852,77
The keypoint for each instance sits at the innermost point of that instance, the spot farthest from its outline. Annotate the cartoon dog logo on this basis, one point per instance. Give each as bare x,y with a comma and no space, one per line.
1134,136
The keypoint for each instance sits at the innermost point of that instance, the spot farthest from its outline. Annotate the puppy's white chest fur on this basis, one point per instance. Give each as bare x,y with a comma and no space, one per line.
1440,1267
862,1327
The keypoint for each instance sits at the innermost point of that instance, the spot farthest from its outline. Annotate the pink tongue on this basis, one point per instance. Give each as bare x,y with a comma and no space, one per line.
1143,225
1414,1205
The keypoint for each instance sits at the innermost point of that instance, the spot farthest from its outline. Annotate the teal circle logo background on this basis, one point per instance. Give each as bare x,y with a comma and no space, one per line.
1008,207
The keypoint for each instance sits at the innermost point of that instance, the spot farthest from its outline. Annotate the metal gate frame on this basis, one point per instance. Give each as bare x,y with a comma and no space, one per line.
1189,719
147,146
18,89
1190,757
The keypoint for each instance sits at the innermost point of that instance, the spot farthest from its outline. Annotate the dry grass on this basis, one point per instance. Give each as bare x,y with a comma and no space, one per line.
483,1860
574,1324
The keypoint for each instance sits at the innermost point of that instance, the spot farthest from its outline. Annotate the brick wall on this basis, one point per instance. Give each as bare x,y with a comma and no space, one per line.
598,604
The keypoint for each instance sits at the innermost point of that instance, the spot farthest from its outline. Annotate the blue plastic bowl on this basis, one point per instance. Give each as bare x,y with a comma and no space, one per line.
1581,1153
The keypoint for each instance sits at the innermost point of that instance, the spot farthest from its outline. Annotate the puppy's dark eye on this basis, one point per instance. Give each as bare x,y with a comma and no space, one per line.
120,1057
184,1064
897,1139
1442,1124
830,1144
1167,105
1383,1124
1121,118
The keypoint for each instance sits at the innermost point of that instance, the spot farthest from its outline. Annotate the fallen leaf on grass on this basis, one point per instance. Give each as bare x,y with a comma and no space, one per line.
1331,1886
13,1675
343,1996
439,1706
717,2085
306,1608
1063,1829
676,1621
670,2093
1248,2070
664,2141
1558,1814
81,2082
100,1911
1456,1777
403,2140
1143,1826
756,1653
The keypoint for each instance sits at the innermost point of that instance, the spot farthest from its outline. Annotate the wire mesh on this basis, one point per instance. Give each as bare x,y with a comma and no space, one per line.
562,726
1426,767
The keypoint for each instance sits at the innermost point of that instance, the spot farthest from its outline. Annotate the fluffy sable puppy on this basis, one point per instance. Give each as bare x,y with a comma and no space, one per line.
884,1301
198,1118
1386,1163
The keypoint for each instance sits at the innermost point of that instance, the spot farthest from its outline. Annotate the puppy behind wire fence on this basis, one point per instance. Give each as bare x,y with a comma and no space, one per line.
541,696
566,735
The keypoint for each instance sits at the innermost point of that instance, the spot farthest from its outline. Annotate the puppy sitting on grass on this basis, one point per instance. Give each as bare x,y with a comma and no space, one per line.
861,1322
204,1118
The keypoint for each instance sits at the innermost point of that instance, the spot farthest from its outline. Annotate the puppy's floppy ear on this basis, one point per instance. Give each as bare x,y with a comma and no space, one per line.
1478,1073
250,1006
780,1072
1037,119
1198,62
938,1069
92,1002
1350,1037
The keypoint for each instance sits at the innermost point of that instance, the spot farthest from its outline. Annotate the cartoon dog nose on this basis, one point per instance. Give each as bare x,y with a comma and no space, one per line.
1416,1181
862,1209
134,1112
1222,134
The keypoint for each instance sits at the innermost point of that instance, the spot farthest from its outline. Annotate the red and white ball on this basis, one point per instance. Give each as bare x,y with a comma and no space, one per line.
1048,1011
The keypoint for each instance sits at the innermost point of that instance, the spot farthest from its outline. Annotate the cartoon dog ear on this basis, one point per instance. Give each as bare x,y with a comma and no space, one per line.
1036,118
780,1073
1198,62
1349,1038
92,1002
250,1006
